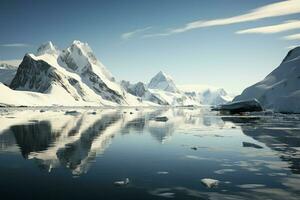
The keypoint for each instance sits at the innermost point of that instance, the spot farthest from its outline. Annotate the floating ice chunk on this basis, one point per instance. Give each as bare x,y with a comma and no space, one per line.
121,183
251,186
163,192
167,194
196,157
210,183
162,172
223,171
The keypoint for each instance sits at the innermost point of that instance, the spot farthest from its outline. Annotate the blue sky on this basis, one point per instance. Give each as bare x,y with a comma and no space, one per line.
137,38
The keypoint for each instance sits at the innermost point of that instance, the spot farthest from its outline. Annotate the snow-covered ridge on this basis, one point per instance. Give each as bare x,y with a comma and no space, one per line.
280,90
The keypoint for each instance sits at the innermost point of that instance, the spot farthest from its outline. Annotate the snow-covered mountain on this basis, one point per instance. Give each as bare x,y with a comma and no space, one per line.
163,82
280,90
73,73
75,77
7,73
207,95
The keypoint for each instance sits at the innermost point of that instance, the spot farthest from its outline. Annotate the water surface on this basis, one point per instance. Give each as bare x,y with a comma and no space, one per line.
51,154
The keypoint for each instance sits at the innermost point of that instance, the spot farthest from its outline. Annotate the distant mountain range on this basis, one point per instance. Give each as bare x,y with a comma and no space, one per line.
75,77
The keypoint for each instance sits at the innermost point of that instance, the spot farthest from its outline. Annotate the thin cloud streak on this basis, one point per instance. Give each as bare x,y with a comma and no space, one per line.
282,8
15,45
286,26
292,37
131,34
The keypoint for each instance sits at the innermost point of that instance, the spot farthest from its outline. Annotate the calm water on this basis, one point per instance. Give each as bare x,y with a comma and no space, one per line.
59,155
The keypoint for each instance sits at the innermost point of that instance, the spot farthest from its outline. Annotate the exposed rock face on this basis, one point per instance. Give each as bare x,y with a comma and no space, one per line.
240,106
39,76
32,75
280,90
139,89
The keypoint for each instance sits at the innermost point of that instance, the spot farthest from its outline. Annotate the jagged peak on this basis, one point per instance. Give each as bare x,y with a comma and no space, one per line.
80,44
79,56
83,46
83,49
47,48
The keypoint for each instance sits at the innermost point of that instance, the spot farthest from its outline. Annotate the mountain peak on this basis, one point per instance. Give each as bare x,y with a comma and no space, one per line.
82,45
164,82
47,48
78,42
82,49
80,58
163,74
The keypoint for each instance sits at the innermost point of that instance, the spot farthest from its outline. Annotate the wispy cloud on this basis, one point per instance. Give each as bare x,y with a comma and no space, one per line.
131,34
15,45
282,8
286,26
292,37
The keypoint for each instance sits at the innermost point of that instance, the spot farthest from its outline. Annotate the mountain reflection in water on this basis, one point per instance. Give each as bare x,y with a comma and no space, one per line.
161,159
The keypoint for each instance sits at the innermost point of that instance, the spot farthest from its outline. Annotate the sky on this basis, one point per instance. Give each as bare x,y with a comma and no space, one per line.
226,43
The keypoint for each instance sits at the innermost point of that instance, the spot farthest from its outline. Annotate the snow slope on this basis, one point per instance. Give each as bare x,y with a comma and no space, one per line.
280,90
58,96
